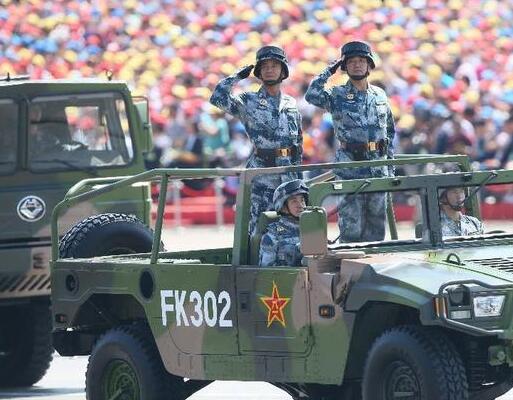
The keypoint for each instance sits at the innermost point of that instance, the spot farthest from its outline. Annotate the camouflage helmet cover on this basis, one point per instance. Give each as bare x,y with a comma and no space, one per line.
287,189
356,48
268,53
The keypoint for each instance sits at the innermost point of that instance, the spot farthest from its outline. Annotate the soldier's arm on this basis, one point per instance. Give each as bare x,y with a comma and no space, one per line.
268,251
390,140
223,98
480,226
390,133
316,93
299,156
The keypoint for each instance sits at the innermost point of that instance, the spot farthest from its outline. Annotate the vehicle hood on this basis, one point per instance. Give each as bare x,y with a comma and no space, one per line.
428,270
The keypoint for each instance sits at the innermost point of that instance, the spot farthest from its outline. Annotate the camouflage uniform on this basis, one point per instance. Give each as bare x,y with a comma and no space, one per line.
466,226
359,118
280,244
271,123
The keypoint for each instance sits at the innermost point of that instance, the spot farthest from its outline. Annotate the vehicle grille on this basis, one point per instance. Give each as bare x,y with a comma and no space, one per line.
500,263
24,285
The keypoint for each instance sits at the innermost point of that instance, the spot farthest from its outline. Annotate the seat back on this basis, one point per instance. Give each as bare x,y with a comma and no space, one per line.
263,221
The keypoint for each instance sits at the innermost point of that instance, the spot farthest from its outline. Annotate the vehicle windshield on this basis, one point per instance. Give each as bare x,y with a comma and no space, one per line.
8,136
78,132
358,219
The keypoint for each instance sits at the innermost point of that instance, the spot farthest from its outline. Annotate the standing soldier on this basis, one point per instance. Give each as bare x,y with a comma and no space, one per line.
272,122
364,126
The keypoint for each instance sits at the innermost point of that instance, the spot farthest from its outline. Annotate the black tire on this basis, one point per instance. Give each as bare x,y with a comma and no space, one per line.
25,344
414,360
106,234
125,360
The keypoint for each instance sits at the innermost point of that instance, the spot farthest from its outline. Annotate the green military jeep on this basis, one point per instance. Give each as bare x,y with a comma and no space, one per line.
52,135
418,315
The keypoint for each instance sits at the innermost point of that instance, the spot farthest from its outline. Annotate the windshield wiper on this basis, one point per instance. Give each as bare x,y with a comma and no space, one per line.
89,170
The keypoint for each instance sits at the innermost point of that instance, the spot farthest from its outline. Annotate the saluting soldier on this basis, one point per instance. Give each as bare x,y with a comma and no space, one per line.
279,246
364,126
272,122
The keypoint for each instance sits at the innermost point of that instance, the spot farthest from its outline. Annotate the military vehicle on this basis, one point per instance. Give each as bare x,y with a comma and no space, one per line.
417,315
54,133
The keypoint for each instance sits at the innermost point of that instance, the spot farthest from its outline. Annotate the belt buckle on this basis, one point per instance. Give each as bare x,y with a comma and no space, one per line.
283,152
372,146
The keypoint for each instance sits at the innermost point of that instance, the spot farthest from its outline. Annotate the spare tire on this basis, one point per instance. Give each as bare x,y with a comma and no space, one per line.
106,234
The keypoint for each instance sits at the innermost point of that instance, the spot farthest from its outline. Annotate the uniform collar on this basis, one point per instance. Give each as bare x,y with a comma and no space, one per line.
352,88
284,101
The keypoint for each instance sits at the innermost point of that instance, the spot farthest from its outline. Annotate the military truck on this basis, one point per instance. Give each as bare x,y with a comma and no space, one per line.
417,315
54,133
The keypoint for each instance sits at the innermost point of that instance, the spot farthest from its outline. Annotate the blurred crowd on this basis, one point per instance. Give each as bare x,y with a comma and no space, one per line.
447,65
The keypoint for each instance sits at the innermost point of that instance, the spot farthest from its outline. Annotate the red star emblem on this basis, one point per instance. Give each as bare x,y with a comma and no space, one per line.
275,305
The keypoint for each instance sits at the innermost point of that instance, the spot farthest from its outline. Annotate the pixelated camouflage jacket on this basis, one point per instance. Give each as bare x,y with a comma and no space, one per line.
270,122
280,244
358,117
466,226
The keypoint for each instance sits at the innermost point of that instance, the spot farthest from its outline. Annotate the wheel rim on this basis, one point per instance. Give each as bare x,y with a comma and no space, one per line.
120,382
401,382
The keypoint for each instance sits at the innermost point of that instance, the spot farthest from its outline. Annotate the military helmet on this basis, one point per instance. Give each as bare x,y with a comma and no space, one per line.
268,53
287,189
356,48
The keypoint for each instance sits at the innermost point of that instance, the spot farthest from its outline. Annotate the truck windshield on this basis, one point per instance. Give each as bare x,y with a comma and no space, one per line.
8,136
77,132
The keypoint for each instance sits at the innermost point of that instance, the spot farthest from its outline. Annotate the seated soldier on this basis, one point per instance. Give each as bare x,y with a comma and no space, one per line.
452,219
280,244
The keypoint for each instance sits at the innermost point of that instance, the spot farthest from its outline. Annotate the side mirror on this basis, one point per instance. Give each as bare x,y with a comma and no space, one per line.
313,225
143,112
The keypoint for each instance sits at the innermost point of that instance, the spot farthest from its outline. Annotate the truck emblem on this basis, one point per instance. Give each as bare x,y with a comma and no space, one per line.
31,208
275,305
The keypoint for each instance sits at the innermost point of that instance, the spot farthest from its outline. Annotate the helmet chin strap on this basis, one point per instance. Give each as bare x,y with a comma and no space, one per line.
458,207
359,77
272,82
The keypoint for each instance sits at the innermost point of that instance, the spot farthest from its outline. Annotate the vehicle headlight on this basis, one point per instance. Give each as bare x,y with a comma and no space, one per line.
488,306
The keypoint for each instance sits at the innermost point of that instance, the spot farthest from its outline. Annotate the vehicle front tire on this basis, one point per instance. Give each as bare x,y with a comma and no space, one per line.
125,364
25,344
416,364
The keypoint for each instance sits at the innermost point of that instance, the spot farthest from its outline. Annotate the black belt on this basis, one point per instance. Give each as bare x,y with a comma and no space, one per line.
361,151
268,156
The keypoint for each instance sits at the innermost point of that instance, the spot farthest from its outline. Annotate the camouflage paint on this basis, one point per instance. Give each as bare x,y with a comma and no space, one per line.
316,307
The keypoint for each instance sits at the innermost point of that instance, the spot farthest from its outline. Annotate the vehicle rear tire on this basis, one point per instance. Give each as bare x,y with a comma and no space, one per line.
125,364
25,344
410,360
106,234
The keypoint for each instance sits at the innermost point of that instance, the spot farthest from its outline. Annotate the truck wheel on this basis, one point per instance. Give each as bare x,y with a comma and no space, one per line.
416,364
106,234
125,364
25,344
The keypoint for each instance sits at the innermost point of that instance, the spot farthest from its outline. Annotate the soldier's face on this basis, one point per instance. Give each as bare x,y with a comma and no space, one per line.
296,204
357,65
270,70
455,196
